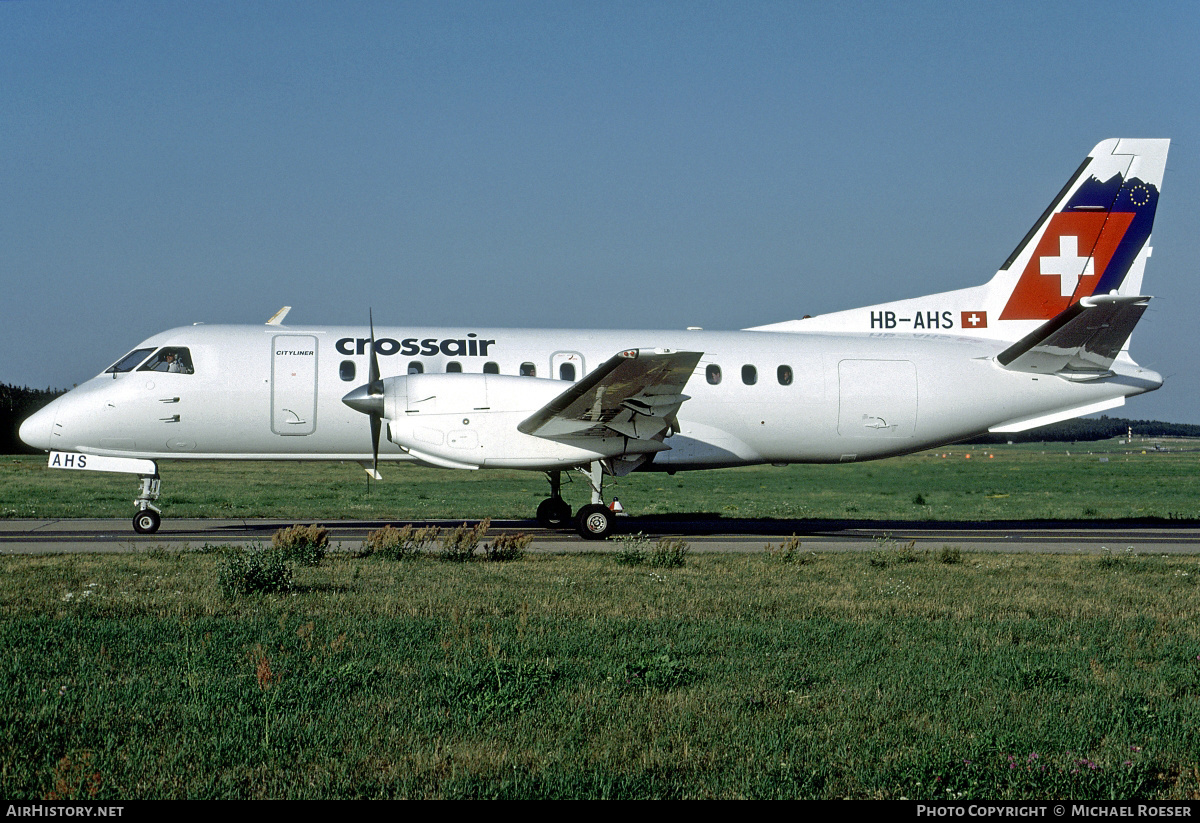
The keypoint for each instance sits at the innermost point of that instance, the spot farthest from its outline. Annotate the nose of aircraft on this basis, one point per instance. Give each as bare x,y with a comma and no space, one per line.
36,429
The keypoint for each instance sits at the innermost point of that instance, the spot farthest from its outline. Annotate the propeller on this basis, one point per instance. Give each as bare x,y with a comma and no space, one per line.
369,400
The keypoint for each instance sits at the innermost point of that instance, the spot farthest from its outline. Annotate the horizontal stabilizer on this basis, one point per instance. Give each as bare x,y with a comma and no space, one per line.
636,393
1081,342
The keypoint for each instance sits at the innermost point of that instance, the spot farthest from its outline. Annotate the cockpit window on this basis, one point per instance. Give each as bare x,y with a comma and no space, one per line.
170,358
128,362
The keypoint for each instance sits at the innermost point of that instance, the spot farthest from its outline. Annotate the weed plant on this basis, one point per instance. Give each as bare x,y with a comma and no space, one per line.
950,555
637,550
250,570
788,552
889,552
306,545
507,547
669,553
1127,560
458,545
632,549
405,543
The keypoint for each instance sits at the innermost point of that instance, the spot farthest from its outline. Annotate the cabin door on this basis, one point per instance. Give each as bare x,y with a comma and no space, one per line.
293,384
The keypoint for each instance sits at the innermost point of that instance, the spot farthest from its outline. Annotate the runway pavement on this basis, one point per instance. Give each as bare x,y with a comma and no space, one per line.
702,532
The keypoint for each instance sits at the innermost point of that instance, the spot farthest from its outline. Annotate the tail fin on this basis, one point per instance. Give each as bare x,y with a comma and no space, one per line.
1094,239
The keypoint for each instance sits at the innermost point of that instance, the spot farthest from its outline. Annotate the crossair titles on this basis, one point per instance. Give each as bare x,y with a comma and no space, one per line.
469,346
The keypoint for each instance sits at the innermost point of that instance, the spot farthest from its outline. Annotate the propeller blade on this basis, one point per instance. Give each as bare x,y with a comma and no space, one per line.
375,386
371,401
376,424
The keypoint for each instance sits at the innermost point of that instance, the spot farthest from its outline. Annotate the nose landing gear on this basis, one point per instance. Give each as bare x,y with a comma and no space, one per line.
149,516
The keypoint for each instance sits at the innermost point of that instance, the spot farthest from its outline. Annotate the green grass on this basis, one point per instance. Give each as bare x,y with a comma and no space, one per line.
1052,481
998,677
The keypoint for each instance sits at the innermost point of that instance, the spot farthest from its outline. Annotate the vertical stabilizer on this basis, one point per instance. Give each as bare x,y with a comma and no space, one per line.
1093,239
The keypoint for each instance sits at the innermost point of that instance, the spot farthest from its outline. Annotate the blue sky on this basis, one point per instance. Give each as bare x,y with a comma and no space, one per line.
614,165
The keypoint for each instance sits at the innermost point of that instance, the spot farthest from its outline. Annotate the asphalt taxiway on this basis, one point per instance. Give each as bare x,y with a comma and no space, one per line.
702,534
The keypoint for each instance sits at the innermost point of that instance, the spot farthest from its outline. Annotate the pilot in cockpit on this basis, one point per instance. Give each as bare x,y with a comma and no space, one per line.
177,360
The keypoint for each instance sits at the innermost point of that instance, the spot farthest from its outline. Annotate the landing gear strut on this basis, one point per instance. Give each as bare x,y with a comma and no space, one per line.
149,516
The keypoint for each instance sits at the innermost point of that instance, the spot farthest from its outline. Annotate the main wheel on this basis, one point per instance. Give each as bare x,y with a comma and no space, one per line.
146,521
594,522
553,513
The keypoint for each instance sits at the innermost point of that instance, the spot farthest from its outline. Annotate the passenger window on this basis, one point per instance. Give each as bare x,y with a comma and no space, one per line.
453,368
749,375
416,367
491,368
528,370
346,371
171,359
128,362
713,373
567,372
784,373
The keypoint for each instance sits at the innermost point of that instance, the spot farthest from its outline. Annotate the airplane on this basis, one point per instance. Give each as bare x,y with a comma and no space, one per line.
1045,339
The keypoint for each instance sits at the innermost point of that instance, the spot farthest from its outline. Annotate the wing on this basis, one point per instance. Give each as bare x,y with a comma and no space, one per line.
636,393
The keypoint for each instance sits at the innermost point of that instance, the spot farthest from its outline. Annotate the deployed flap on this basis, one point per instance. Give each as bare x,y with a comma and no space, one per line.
1081,342
635,393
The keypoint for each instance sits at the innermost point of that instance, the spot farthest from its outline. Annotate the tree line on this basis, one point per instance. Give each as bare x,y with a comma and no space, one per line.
1086,429
17,403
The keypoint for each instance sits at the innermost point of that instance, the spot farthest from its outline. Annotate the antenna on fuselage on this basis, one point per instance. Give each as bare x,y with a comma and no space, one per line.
277,317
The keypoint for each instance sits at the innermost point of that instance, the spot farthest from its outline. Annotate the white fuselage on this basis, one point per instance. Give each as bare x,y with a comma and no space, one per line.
275,392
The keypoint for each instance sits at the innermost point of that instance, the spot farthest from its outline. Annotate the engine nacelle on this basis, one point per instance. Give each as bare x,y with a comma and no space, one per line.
468,421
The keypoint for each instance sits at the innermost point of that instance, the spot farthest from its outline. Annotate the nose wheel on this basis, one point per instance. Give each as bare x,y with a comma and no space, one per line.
146,521
148,518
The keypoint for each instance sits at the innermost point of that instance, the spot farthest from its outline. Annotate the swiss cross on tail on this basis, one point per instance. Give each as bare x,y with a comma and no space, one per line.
1087,248
1067,264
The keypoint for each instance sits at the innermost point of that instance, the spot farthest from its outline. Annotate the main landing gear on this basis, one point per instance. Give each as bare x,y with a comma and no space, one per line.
594,521
149,516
